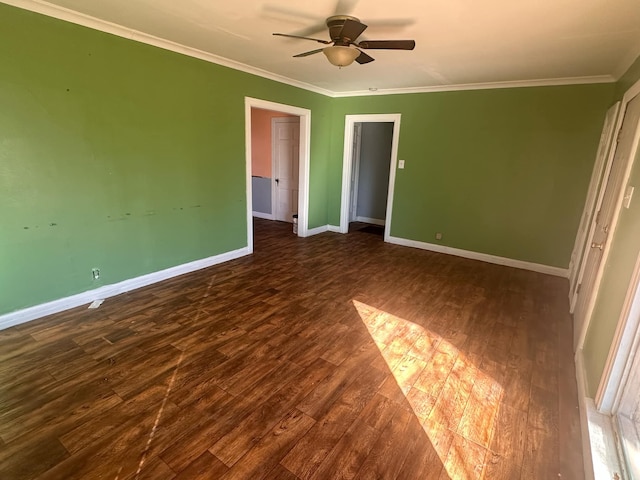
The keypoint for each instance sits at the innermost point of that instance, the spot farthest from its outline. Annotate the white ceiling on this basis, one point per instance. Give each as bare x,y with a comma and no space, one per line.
458,42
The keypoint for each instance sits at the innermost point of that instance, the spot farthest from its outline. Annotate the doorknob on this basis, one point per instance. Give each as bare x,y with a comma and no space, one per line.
277,181
597,245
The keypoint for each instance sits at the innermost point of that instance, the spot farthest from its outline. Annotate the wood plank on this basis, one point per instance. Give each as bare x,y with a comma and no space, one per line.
61,412
127,413
505,457
281,473
452,402
221,419
307,455
437,369
322,398
264,456
387,455
466,460
152,469
478,420
29,459
427,446
263,419
205,467
347,456
119,454
541,453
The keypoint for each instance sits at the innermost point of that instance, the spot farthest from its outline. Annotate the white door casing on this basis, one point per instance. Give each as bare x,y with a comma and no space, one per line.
285,160
602,165
605,219
626,402
305,155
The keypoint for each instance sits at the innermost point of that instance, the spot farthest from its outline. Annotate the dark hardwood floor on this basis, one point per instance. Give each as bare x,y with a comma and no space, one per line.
331,357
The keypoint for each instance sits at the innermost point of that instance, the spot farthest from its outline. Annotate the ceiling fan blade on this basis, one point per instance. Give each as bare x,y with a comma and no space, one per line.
319,27
289,12
312,52
364,58
391,23
387,44
352,30
344,7
326,42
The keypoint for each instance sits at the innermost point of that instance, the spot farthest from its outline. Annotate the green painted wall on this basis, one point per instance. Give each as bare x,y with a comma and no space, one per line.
126,157
630,77
503,172
122,156
625,249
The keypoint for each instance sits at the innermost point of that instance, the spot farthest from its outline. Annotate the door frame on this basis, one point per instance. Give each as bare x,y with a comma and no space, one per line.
347,164
274,186
626,99
601,169
625,342
304,160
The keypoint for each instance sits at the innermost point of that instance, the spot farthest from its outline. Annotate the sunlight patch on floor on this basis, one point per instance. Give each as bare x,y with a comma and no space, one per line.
456,402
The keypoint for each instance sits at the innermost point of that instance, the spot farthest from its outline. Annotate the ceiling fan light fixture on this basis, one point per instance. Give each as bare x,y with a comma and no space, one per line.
341,56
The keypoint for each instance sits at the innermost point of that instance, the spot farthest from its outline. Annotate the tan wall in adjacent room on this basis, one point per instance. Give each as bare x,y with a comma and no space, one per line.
261,140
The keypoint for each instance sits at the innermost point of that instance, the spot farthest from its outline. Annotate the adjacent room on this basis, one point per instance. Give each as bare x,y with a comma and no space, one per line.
340,239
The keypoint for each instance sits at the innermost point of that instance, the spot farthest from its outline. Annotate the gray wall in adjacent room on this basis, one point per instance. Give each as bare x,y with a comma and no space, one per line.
373,178
261,194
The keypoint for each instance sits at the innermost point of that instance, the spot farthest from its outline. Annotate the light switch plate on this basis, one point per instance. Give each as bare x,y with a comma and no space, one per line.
628,193
400,163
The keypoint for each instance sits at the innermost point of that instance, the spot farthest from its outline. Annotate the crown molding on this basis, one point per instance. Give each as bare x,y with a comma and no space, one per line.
65,14
547,82
94,23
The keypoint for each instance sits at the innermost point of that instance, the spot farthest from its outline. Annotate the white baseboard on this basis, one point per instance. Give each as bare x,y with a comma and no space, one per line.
373,221
266,216
31,313
485,257
599,448
322,229
316,230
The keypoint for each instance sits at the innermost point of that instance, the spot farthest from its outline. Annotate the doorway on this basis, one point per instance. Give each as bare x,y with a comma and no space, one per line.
261,187
605,219
368,171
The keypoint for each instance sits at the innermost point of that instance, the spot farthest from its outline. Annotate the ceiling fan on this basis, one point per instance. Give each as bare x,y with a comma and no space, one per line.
343,48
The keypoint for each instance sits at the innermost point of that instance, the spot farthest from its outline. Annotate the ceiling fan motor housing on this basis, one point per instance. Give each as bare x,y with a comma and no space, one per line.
335,24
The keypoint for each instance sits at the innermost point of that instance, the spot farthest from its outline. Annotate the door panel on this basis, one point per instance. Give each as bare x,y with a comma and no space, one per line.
604,217
286,165
600,168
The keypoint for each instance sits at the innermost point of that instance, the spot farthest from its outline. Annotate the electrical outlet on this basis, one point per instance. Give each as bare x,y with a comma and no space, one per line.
95,272
438,236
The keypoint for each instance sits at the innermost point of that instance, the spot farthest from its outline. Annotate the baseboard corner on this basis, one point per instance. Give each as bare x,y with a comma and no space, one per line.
18,317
